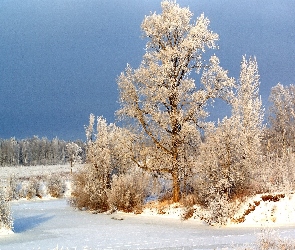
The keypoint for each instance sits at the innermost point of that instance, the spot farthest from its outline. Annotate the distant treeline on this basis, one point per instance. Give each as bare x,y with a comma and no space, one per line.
35,151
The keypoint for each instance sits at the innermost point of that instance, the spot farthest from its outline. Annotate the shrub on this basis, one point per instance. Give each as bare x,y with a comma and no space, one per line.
56,186
89,191
14,188
128,192
187,213
189,200
32,188
79,198
219,210
5,212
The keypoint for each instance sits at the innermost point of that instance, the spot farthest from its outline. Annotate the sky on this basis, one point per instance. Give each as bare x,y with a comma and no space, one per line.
59,59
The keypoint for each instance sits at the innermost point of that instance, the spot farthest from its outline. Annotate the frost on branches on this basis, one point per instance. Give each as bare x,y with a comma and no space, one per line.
162,98
6,221
73,154
109,180
90,185
231,152
281,135
279,140
167,136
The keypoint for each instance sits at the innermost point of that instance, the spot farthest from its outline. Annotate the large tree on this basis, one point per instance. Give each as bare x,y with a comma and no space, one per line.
161,96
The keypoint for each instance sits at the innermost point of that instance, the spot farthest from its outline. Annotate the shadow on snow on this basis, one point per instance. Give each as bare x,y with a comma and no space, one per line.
26,223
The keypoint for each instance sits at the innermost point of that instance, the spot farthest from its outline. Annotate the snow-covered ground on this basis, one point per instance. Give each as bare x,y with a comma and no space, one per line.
31,171
271,210
52,224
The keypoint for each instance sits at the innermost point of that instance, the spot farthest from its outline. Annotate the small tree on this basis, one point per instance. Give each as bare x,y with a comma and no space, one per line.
162,98
91,184
107,154
281,133
73,153
230,154
247,108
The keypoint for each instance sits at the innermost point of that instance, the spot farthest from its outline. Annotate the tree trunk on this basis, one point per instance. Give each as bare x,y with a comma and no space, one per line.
176,185
175,142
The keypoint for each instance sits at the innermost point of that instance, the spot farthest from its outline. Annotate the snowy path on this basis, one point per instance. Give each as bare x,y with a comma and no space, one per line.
48,224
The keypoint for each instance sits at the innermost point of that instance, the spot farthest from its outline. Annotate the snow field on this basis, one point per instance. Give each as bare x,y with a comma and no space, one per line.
31,171
37,181
262,210
54,224
46,225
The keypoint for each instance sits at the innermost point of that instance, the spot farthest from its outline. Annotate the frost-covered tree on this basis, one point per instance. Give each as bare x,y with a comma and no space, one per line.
107,154
5,212
248,109
279,140
89,130
98,170
231,153
162,97
281,132
74,153
35,151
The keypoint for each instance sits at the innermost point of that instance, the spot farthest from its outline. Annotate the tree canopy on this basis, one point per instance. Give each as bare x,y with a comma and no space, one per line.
161,96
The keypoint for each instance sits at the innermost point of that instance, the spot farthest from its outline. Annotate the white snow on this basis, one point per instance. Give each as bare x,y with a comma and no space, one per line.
53,223
39,170
270,213
5,231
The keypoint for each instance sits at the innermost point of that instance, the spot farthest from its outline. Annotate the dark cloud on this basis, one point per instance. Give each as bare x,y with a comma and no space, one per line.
59,60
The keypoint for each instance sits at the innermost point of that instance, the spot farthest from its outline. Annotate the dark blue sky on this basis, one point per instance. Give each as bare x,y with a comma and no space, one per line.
59,59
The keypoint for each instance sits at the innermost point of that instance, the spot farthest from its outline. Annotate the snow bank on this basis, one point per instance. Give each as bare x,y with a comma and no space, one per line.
268,210
5,231
262,210
169,211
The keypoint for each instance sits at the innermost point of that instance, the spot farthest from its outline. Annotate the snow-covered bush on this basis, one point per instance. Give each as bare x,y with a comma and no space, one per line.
56,186
5,212
36,186
14,187
128,192
89,190
80,195
107,155
277,173
99,184
219,210
91,183
32,188
221,174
